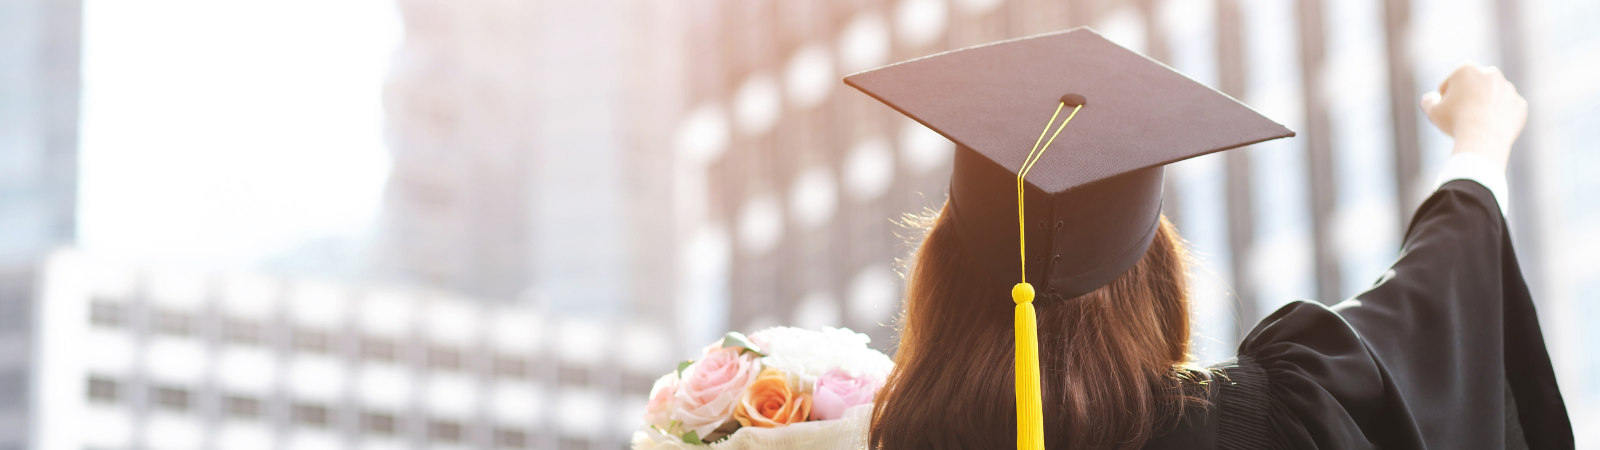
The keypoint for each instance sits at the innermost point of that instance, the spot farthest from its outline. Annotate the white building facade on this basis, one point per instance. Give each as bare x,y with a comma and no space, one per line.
146,358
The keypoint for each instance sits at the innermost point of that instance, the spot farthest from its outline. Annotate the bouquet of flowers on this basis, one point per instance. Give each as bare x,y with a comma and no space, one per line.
781,387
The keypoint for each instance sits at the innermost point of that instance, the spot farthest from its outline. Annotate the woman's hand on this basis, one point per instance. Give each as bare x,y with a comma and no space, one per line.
1480,109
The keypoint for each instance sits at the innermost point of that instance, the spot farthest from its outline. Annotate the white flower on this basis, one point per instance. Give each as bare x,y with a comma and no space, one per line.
809,354
651,440
663,397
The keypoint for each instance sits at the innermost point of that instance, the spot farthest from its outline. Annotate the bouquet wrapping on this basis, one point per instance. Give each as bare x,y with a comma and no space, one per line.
781,387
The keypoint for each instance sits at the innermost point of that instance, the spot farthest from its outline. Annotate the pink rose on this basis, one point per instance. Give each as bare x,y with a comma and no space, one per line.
837,391
658,412
711,387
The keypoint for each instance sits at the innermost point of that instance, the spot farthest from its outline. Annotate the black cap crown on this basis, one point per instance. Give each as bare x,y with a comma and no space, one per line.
1093,200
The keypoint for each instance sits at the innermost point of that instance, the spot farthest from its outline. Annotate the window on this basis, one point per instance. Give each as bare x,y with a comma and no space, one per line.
173,399
103,390
444,431
243,332
312,341
314,416
378,423
507,438
108,315
570,374
444,359
636,383
574,444
242,407
174,323
378,349
16,300
13,388
509,367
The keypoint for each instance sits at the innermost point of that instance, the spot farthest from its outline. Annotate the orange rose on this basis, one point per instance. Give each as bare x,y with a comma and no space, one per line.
771,402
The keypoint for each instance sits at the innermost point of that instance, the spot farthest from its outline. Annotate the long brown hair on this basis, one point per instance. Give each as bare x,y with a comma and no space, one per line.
1111,361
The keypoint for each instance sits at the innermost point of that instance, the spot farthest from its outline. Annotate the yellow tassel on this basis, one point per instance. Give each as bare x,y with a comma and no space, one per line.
1030,411
1030,399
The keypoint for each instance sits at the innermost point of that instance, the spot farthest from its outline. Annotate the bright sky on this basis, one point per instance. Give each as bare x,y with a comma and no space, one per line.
223,132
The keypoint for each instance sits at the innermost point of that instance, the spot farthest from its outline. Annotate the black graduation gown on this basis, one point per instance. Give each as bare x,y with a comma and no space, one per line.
1444,352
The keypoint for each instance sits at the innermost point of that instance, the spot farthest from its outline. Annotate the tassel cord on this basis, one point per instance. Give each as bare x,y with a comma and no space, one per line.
1030,397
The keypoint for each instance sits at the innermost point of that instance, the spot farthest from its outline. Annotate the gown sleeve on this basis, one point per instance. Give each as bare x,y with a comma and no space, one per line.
1443,352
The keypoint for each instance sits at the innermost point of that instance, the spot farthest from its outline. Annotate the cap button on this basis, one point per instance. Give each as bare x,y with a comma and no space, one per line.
1074,100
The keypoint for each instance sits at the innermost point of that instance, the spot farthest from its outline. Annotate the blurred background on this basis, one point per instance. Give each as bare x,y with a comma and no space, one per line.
475,224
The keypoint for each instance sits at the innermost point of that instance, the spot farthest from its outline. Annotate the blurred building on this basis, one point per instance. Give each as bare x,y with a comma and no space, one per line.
1557,62
39,72
516,180
506,124
459,207
134,357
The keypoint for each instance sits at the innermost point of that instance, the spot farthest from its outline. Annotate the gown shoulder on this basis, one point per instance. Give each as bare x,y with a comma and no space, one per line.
1443,351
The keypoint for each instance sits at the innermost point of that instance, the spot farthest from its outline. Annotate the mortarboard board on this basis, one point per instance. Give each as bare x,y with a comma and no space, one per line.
1093,203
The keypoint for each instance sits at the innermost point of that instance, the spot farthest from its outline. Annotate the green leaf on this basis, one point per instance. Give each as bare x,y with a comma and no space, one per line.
684,365
692,438
736,340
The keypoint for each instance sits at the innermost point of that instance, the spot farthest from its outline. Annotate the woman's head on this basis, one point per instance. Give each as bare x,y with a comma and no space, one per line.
1109,359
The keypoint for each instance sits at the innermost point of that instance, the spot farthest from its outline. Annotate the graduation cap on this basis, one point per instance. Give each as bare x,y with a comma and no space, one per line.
1077,204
